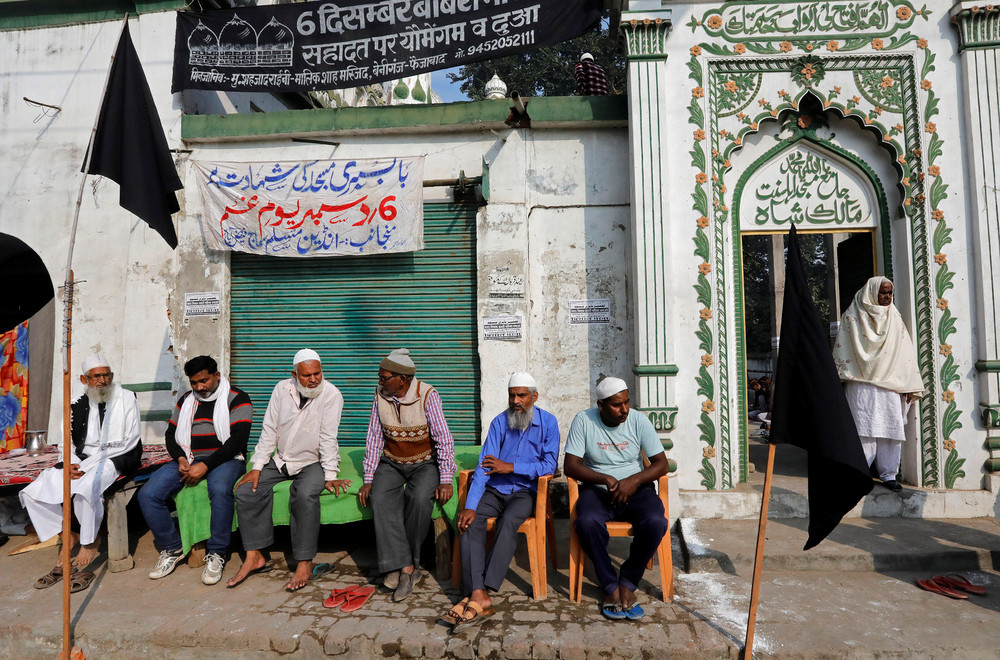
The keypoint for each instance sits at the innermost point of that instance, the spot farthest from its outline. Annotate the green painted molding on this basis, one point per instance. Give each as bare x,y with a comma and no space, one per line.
662,419
990,415
655,370
545,111
157,386
671,466
23,14
992,464
978,26
644,34
993,444
155,415
988,366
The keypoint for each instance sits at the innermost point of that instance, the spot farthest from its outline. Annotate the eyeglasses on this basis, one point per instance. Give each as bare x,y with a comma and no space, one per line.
105,376
386,379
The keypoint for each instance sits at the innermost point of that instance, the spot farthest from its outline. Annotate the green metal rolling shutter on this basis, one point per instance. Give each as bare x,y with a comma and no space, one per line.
354,310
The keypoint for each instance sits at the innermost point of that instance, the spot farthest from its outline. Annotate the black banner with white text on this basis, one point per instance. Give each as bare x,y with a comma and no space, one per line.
333,45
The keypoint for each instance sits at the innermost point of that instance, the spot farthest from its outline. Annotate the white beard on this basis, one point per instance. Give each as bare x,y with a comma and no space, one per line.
520,421
100,394
308,392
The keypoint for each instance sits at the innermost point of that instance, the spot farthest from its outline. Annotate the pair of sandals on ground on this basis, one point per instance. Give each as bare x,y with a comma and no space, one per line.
951,586
78,579
466,614
354,598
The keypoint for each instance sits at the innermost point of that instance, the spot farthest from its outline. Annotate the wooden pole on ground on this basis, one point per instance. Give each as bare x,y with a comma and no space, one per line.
758,561
68,292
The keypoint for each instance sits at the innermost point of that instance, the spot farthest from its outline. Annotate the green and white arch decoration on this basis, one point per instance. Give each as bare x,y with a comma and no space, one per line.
753,62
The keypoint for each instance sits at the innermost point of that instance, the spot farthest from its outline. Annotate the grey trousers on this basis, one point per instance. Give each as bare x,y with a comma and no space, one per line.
487,571
254,509
401,505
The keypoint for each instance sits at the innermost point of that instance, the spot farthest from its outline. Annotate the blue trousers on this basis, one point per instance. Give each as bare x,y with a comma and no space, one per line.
643,510
166,482
482,570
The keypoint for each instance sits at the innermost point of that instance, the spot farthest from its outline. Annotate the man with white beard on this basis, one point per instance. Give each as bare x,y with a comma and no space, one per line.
207,438
104,430
298,441
522,444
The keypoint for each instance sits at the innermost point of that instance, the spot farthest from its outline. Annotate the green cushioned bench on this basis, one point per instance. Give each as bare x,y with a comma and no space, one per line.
194,513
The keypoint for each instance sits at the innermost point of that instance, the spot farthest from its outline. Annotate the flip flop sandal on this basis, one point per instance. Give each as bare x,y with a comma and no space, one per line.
960,583
613,612
80,581
319,570
357,598
477,616
936,587
337,597
454,615
266,568
634,612
52,577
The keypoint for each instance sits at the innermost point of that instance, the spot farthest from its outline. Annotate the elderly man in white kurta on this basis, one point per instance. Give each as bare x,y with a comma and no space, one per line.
104,429
298,442
877,362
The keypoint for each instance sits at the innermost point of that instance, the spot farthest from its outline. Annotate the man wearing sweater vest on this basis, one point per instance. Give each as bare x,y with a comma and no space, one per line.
298,442
409,459
207,438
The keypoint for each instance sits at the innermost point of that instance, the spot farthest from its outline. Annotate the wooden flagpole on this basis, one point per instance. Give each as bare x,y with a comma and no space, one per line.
67,355
759,555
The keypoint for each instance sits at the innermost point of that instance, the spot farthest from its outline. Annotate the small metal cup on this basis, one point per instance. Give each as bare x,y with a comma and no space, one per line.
36,442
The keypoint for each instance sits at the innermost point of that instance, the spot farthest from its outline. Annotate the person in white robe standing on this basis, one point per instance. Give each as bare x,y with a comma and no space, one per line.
877,363
104,429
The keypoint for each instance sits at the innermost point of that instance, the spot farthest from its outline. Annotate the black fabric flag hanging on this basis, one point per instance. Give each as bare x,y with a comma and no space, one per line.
29,287
810,410
130,147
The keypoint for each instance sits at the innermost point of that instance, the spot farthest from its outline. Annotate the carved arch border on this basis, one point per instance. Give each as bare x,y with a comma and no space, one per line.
905,139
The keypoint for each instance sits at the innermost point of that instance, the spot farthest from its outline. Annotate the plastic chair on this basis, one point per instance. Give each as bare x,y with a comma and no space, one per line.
535,534
618,529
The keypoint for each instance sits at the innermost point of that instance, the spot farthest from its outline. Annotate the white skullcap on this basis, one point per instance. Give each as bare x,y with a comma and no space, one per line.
94,361
587,56
521,379
305,355
610,386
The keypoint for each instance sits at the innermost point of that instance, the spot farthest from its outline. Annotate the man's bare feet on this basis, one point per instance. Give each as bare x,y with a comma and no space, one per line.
612,597
482,598
254,561
87,554
626,597
301,578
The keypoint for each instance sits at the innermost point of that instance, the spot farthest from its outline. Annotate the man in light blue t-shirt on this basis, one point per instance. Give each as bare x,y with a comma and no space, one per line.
603,452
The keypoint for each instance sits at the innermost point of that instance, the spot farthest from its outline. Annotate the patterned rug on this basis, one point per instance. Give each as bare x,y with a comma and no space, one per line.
22,469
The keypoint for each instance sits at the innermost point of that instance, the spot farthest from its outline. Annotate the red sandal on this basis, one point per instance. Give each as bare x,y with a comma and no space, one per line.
939,588
357,598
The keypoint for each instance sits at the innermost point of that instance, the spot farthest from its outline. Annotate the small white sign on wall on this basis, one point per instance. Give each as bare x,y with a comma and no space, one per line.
505,284
594,310
204,303
502,328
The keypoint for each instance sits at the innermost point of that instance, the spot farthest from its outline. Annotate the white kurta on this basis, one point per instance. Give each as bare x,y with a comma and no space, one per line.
118,435
878,413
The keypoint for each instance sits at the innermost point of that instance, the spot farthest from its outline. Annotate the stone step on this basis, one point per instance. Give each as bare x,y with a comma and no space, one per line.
857,544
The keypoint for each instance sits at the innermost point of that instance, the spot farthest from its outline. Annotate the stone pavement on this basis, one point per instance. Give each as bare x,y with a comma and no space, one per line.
815,613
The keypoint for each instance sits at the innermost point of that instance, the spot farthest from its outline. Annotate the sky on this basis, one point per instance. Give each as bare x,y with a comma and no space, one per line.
447,90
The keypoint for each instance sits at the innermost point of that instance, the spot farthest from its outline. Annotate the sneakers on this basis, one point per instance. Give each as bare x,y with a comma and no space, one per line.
166,564
214,563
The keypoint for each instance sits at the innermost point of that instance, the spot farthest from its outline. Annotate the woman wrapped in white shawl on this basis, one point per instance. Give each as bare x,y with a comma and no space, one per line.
877,362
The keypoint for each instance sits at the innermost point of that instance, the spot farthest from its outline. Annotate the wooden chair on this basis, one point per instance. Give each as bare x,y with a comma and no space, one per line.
618,529
534,532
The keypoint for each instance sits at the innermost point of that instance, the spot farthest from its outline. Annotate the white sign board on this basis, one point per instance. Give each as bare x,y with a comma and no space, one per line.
595,310
205,303
505,284
502,328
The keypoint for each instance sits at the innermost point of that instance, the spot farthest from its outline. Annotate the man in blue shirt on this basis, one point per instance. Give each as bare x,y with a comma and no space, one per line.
603,452
522,444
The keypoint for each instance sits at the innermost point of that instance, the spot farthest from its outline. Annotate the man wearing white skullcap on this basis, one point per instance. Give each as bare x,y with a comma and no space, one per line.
409,458
521,445
298,442
604,452
104,430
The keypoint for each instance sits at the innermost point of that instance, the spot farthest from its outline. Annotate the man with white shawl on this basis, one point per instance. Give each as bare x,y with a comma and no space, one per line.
877,362
207,438
104,430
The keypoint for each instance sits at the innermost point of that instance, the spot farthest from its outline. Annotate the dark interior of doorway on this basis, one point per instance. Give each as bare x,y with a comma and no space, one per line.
837,264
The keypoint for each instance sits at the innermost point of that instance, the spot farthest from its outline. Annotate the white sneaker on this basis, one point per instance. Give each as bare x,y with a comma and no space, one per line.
213,568
166,564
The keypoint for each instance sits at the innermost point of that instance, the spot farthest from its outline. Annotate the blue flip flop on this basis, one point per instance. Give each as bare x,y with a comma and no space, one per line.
613,612
634,612
320,570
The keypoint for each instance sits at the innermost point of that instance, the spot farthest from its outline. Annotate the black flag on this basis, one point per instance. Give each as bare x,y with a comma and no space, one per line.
130,148
810,410
29,287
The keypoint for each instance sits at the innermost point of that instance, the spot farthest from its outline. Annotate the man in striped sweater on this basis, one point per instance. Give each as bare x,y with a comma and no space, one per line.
207,438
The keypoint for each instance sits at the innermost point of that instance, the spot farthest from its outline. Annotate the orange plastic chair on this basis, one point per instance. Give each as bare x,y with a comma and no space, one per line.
618,529
534,532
